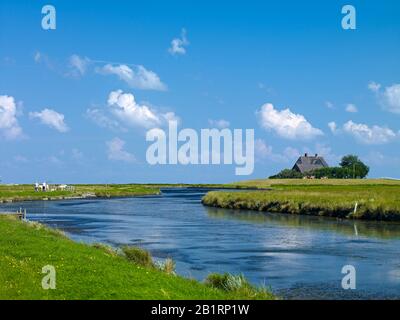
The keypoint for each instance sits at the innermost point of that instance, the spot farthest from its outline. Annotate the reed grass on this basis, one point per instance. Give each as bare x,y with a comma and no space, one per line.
374,201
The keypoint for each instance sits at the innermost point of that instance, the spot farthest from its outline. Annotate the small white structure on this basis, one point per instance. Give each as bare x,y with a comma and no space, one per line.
65,187
44,187
41,187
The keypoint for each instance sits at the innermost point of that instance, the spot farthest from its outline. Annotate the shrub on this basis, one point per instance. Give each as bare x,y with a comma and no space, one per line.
138,256
331,173
287,174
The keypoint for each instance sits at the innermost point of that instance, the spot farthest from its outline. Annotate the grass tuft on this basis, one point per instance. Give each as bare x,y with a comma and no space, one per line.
237,284
168,266
138,256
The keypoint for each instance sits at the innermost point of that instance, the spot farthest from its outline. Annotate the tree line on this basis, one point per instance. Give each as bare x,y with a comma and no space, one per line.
350,167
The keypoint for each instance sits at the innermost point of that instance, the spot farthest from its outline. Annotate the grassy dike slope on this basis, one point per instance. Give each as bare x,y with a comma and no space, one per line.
376,199
82,271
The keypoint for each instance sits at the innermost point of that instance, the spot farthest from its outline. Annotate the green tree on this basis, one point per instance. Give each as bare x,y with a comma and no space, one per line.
357,169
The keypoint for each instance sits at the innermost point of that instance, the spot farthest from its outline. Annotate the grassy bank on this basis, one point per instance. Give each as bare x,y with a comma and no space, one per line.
23,192
26,192
87,272
376,199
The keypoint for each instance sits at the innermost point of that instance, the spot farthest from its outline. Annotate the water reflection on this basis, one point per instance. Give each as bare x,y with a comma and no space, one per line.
382,230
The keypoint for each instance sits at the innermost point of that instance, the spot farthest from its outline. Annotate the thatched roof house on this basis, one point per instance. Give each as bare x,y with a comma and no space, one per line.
308,163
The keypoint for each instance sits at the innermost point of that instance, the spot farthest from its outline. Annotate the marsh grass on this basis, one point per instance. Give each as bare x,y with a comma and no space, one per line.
374,201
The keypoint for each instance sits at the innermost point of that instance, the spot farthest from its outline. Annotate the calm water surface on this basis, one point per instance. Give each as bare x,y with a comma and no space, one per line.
299,257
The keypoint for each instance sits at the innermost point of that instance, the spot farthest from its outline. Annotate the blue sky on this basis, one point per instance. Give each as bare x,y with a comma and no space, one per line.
285,68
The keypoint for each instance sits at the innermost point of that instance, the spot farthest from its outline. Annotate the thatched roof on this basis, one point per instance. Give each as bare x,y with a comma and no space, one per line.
308,163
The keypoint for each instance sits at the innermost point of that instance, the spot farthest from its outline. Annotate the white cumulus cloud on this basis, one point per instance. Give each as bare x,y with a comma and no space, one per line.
178,45
391,98
369,135
136,77
9,126
373,86
51,118
127,110
351,108
78,65
115,151
332,126
286,124
388,97
329,105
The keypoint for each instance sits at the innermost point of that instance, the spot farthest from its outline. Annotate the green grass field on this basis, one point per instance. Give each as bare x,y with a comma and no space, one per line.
27,192
86,272
376,199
